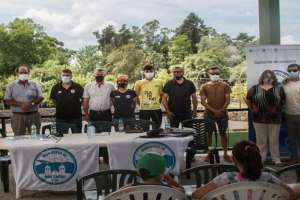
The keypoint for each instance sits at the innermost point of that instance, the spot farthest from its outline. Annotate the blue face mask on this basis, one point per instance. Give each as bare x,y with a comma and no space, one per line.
294,74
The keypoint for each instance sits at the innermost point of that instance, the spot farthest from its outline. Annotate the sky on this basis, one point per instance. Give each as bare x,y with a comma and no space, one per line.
74,21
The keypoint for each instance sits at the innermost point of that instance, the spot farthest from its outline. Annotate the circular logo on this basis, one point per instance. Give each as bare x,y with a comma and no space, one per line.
157,148
54,166
280,75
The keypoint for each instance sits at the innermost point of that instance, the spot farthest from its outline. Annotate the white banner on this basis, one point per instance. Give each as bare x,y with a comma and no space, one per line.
54,168
273,57
124,155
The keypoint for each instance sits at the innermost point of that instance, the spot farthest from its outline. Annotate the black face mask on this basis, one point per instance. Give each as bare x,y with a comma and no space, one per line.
178,77
122,85
99,78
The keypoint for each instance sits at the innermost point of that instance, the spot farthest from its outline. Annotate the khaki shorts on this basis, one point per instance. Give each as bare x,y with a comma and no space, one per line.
21,122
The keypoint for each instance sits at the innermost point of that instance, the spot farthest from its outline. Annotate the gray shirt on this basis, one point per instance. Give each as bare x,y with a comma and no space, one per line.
98,95
16,91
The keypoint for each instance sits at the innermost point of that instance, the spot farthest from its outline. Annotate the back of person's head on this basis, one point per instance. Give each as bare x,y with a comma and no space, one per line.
151,165
247,154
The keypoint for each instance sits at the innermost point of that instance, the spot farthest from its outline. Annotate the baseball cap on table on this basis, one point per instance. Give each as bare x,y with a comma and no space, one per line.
154,163
122,77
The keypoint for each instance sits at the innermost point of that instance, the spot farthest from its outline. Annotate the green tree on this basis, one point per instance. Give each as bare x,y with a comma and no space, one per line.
180,48
239,92
89,58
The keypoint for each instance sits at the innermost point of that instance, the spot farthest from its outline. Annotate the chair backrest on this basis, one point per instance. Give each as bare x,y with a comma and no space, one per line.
249,190
200,137
137,126
289,174
100,126
147,192
205,173
105,182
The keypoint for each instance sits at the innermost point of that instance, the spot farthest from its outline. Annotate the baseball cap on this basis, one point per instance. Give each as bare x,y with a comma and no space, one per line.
122,77
154,163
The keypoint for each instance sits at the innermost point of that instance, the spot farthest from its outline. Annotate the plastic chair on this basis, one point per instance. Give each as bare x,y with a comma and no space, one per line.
103,183
147,192
289,174
248,190
4,168
137,126
199,145
205,173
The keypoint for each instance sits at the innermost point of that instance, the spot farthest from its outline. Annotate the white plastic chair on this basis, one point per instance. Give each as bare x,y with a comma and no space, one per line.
146,192
248,191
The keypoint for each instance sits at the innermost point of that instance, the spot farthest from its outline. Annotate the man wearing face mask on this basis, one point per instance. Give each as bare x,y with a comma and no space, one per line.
96,98
24,97
149,91
291,88
124,100
215,97
177,95
67,97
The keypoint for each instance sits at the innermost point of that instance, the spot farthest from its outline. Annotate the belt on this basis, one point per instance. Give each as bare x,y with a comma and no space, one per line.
24,113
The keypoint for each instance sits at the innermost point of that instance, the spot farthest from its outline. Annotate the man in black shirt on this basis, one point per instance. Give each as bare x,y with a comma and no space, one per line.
67,96
177,95
124,100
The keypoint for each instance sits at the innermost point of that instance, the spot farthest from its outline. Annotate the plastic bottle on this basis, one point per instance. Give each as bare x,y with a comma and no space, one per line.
167,123
121,125
90,131
33,132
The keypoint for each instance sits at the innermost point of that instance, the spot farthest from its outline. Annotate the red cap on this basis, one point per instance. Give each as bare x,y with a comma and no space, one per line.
122,77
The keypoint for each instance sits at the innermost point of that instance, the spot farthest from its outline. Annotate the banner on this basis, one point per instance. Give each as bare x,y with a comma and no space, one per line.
275,58
53,168
125,155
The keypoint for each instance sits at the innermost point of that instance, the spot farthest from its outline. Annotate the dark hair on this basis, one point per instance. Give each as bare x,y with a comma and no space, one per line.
262,76
148,67
214,68
68,71
294,65
22,65
248,155
145,174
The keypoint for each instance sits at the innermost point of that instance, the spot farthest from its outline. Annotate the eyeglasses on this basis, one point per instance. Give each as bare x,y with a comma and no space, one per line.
293,70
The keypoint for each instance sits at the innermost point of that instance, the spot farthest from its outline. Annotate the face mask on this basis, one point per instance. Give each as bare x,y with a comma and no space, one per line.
122,85
214,77
268,80
178,77
65,79
149,75
23,77
294,74
99,78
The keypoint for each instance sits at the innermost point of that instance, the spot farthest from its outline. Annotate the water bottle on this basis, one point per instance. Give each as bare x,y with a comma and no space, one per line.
121,125
90,131
167,123
33,132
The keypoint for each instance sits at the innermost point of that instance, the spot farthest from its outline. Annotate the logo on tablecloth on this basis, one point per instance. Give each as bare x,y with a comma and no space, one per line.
54,166
157,148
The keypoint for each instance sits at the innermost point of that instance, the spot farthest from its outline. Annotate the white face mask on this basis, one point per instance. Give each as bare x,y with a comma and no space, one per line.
214,77
23,77
65,79
149,75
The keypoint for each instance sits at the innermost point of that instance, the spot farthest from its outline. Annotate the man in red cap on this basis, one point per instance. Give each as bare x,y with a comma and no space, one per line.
124,100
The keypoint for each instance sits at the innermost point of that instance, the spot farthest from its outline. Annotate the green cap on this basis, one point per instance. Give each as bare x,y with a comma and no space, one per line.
154,163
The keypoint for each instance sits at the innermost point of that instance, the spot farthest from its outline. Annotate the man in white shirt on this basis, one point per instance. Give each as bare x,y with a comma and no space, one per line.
291,88
96,98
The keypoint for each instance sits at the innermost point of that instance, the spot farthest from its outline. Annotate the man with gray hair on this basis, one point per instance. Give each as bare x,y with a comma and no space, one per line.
24,97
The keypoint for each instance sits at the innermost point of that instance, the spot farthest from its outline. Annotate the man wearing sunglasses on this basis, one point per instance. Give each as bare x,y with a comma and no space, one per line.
215,97
67,97
291,88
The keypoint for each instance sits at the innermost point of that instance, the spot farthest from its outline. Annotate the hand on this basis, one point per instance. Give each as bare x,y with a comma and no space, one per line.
218,113
194,113
25,106
169,114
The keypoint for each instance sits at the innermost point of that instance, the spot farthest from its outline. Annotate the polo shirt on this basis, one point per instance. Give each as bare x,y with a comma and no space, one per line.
68,101
123,103
98,95
179,100
16,91
149,93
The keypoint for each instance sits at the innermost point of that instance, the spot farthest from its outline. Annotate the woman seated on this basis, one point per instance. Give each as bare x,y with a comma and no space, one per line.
151,167
247,159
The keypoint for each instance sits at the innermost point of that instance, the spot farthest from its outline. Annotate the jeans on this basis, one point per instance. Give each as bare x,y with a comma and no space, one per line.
63,125
293,125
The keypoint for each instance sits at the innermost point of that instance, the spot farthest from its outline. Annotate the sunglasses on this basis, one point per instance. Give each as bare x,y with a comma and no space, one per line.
293,70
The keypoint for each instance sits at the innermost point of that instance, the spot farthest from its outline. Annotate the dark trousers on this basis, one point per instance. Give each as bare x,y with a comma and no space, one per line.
293,125
63,125
96,116
154,115
179,117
